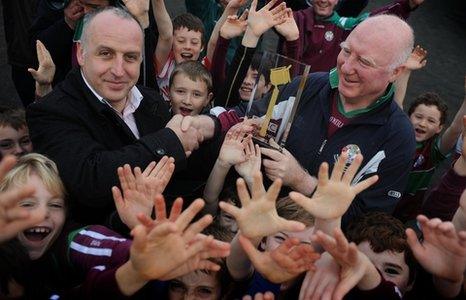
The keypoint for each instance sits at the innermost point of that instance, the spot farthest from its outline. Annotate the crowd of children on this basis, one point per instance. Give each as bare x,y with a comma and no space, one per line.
246,239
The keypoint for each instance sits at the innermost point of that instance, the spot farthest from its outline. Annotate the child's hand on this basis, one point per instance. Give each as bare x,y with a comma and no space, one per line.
157,251
443,250
46,70
356,268
258,216
234,26
252,164
417,59
284,263
136,198
156,176
321,282
267,17
289,30
333,196
232,151
72,13
261,296
236,4
140,10
14,218
415,3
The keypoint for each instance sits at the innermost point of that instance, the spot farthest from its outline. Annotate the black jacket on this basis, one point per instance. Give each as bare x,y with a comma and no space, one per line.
89,141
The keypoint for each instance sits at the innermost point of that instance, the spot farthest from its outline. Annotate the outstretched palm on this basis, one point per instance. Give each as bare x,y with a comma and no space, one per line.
258,216
262,20
417,59
335,194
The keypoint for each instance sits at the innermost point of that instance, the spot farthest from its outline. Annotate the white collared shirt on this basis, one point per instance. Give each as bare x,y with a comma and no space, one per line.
134,100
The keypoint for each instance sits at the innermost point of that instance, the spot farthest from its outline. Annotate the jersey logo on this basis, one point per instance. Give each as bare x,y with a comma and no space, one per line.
328,36
371,167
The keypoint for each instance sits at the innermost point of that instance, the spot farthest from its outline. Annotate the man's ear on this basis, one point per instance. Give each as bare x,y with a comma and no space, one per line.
267,87
397,72
80,53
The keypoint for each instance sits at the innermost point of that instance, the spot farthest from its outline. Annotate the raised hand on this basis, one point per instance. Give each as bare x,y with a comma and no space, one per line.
283,263
157,251
72,13
288,29
355,266
236,4
262,20
232,151
136,198
335,194
415,3
443,250
417,59
46,70
321,282
234,26
156,176
258,216
13,218
252,164
140,10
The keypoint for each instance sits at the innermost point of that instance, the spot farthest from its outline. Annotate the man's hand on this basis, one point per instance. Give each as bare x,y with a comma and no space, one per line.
156,176
335,194
417,59
258,216
289,30
321,282
283,165
356,268
252,164
232,150
443,250
415,3
72,13
13,218
234,26
235,4
189,136
284,263
267,17
140,11
136,198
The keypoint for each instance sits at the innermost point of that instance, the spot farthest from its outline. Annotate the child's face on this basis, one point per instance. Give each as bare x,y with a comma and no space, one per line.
273,241
187,44
188,97
248,85
39,238
195,285
391,264
227,221
324,8
426,121
15,142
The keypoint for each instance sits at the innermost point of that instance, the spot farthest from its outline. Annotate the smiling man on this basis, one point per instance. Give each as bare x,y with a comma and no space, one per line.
97,119
351,108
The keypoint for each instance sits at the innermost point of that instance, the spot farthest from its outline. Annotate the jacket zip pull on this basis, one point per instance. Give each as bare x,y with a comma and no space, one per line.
322,146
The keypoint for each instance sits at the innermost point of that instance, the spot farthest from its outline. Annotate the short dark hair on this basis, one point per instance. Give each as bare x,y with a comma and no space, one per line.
13,117
190,22
383,232
195,71
430,99
266,66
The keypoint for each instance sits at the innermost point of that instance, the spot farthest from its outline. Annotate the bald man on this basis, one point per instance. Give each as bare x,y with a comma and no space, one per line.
97,119
352,108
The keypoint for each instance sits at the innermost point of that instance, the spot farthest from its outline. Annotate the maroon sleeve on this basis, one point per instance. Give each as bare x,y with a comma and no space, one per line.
443,201
399,8
385,290
218,64
99,284
291,49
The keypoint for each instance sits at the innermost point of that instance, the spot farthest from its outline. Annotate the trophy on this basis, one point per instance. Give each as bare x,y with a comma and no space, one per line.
277,120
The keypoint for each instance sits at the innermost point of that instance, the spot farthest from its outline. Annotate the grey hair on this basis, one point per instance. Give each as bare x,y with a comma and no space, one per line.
116,11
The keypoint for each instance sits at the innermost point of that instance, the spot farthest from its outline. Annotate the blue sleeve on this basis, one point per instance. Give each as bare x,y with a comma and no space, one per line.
261,285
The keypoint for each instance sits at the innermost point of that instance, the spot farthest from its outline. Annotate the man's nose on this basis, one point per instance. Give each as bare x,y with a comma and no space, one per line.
348,65
118,67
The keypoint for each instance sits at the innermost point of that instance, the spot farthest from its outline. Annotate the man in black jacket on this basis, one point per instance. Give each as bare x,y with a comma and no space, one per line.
97,119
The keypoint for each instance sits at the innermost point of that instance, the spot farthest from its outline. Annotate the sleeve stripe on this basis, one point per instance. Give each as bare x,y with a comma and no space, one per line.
91,250
99,236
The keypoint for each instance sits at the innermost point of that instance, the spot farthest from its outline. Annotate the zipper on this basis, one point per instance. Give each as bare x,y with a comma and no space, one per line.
322,147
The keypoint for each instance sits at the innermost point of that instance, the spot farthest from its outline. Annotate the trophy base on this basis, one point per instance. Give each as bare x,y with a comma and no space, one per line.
260,141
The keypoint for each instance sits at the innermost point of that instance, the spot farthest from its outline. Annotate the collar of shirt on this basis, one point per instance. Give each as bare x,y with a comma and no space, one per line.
134,99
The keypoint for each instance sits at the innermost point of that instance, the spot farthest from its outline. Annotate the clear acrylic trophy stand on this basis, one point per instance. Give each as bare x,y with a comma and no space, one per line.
277,121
